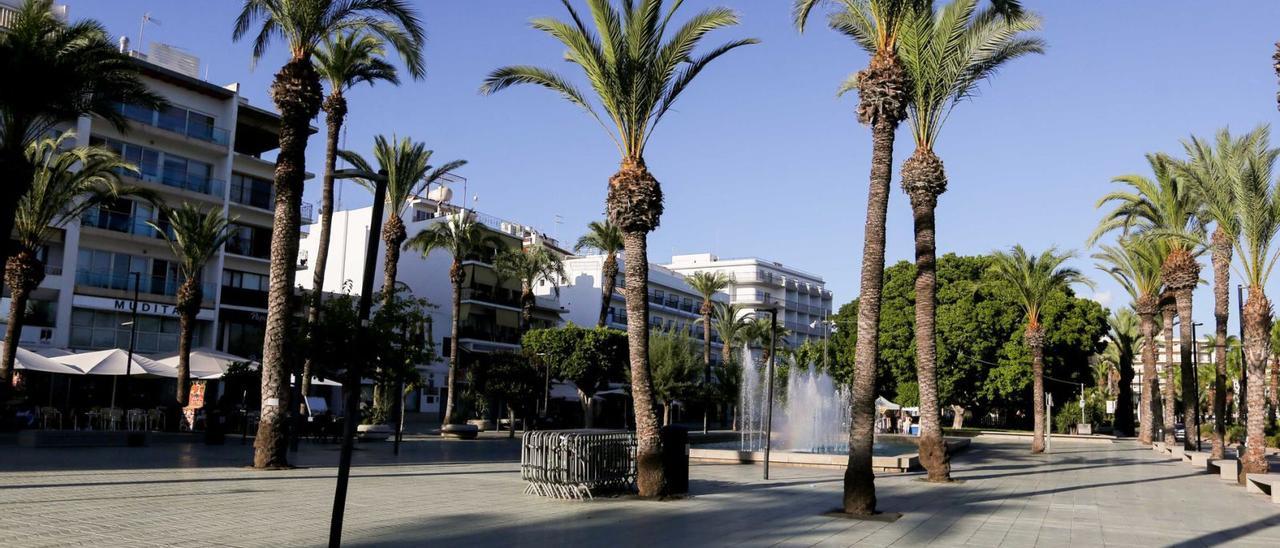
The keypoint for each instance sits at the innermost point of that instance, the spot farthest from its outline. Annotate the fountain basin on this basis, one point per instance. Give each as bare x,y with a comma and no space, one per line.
885,458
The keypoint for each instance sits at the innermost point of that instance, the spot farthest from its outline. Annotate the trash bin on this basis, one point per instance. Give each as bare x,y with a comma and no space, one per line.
675,459
215,428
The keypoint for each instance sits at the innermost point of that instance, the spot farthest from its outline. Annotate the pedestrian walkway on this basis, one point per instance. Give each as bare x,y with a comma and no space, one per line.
458,493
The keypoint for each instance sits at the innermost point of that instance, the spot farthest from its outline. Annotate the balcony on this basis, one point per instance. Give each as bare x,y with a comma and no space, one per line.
245,247
489,333
308,213
261,198
116,221
194,183
239,296
498,297
177,120
150,285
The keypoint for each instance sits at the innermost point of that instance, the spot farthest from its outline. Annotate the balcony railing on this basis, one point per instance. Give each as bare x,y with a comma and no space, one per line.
504,298
194,183
151,285
245,247
491,333
308,213
182,125
252,197
239,296
53,270
122,222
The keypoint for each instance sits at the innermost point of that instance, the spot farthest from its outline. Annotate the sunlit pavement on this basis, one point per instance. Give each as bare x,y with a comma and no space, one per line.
458,493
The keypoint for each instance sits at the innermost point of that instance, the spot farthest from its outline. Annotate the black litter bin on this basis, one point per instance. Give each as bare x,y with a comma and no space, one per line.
675,459
215,428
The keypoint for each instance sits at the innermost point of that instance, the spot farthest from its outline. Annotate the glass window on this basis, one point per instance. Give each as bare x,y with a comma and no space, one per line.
173,119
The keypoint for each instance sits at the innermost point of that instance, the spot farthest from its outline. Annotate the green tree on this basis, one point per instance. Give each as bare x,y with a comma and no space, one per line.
1258,207
673,355
946,53
531,265
303,25
1210,167
194,237
1166,208
344,61
637,70
508,377
730,322
1135,265
884,89
589,358
604,237
707,284
1034,279
74,69
460,236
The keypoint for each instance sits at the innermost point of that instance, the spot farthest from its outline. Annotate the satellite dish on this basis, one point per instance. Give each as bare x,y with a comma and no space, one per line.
440,194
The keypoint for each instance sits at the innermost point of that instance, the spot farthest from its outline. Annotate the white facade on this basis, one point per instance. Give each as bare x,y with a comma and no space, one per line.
673,304
490,310
204,149
803,302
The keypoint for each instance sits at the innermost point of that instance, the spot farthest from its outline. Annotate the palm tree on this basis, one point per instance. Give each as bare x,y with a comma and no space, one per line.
945,54
1123,344
1033,280
77,71
637,72
531,265
1135,265
1258,208
65,184
343,61
304,25
194,237
1210,167
461,236
1166,208
605,238
884,90
707,284
408,171
730,322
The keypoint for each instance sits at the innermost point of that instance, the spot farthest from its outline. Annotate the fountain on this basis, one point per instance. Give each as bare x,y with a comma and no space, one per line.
810,424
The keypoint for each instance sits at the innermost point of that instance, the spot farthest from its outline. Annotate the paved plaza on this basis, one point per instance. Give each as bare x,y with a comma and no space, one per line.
456,493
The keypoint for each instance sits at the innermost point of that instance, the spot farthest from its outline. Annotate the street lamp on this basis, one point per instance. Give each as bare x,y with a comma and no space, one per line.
773,355
133,338
351,388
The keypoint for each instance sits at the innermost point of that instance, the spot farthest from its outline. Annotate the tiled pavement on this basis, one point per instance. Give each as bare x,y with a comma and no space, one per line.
452,493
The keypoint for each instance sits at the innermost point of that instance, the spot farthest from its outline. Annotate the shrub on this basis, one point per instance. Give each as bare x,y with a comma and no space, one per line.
1235,433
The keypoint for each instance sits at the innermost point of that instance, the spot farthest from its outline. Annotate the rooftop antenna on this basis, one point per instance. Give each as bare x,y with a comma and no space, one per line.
559,221
142,27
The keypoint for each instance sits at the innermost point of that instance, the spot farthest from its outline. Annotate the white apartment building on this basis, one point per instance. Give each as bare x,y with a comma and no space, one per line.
205,148
802,300
672,303
490,306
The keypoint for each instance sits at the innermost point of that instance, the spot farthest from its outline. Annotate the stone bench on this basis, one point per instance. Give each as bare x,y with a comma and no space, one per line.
1159,447
1263,483
460,431
1177,452
1198,459
1227,469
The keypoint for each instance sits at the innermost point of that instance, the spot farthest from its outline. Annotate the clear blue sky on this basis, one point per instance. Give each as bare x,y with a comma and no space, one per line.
762,159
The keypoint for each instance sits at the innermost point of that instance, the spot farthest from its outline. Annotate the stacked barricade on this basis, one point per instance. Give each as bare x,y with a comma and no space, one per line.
572,464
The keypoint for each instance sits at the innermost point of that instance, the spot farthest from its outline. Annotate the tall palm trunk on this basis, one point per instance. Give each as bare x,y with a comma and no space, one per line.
451,386
297,95
706,361
1035,343
527,300
924,179
393,236
609,271
1124,398
1221,304
23,273
635,206
1189,403
882,89
1167,394
335,111
17,173
1150,405
189,296
1257,339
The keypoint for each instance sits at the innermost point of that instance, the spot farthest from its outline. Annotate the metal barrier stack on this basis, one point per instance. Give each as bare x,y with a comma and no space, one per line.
572,464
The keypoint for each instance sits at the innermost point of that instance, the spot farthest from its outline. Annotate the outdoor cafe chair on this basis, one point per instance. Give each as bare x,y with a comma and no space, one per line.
112,419
137,419
47,413
155,418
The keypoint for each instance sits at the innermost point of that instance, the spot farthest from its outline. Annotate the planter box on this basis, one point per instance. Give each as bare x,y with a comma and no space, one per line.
460,431
482,425
375,432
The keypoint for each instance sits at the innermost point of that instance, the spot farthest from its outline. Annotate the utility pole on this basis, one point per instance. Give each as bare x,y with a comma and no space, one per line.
1048,420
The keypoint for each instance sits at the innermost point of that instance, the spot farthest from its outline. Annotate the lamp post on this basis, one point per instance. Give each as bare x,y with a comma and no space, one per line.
1195,374
351,388
133,339
768,410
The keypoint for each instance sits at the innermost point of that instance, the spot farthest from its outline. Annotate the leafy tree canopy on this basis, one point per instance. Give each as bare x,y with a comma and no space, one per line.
587,357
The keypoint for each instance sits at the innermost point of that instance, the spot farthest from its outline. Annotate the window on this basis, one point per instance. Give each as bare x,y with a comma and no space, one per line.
147,160
251,191
188,174
244,280
103,329
422,215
